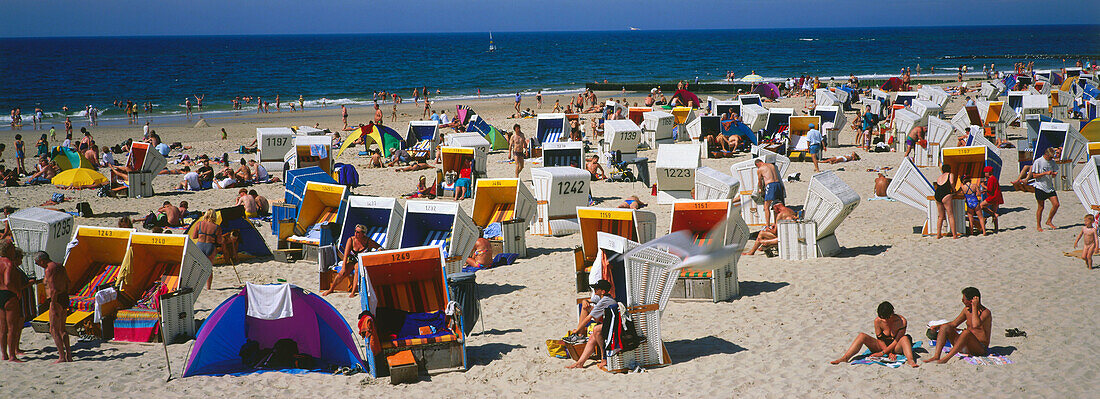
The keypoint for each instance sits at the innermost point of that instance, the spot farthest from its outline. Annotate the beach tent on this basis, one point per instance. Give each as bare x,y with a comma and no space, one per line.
92,261
828,202
311,151
386,138
312,323
272,144
78,178
910,187
769,90
632,224
251,244
687,98
892,84
551,128
496,139
569,153
509,203
381,215
406,293
711,184
754,116
699,217
558,191
144,157
676,165
1087,185
321,210
67,158
439,224
463,113
297,179
657,126
155,265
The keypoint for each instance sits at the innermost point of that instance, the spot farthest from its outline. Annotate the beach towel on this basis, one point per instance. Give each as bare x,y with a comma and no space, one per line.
502,212
438,238
136,325
994,356
269,301
318,150
493,230
876,198
883,361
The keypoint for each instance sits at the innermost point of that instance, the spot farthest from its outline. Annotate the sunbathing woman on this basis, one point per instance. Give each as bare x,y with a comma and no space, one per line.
841,159
890,338
419,165
356,244
632,202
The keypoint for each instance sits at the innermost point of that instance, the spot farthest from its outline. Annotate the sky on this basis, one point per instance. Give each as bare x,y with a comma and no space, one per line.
45,18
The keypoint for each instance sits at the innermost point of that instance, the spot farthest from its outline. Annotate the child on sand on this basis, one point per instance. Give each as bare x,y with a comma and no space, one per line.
1088,231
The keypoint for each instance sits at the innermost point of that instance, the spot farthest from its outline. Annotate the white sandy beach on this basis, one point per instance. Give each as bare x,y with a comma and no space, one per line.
774,341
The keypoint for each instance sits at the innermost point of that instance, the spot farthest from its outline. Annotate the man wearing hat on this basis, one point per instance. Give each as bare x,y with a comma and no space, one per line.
592,311
814,139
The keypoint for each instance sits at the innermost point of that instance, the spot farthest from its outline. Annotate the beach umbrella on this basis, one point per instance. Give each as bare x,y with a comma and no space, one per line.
1091,130
753,78
79,178
66,159
769,90
686,97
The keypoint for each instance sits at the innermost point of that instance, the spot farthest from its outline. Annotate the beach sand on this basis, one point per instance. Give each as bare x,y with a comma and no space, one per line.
774,341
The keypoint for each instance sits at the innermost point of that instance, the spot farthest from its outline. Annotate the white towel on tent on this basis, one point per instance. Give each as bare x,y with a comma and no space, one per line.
269,302
369,298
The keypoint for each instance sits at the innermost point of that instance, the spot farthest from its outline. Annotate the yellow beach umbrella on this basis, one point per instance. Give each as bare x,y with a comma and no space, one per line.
79,178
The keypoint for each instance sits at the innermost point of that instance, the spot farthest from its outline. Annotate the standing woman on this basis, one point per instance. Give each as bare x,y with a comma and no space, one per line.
945,193
992,199
207,235
358,243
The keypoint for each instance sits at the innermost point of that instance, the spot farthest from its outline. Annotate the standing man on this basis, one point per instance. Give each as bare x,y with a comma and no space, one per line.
377,114
767,176
198,99
915,136
518,99
1043,172
518,145
187,102
57,292
813,137
344,113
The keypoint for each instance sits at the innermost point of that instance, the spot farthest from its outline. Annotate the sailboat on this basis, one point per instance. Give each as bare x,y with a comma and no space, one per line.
492,47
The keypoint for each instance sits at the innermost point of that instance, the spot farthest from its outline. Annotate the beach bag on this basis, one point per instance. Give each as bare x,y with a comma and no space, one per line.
630,338
556,348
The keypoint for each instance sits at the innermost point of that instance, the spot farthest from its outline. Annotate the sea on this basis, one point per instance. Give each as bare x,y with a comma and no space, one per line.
52,73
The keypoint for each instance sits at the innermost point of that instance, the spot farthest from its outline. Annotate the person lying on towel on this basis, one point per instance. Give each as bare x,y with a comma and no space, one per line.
592,311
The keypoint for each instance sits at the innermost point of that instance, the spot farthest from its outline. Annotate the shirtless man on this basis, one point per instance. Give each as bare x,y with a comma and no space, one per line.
250,208
57,292
377,115
244,174
881,183
594,167
171,213
768,179
263,207
518,146
769,236
482,255
974,340
916,135
11,314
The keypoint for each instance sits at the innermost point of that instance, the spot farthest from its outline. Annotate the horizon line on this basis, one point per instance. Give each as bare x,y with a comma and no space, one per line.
626,28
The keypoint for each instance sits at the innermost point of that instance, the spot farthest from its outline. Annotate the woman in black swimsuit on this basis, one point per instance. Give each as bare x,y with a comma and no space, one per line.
12,282
357,243
945,194
890,338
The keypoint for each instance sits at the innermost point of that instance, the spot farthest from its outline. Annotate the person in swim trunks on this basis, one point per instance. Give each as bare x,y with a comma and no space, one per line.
974,339
890,338
916,134
518,147
482,255
57,291
768,177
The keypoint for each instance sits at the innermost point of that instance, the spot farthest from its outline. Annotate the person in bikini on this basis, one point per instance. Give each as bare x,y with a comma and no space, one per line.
890,338
945,195
57,292
356,244
974,339
841,159
632,202
972,192
482,255
207,236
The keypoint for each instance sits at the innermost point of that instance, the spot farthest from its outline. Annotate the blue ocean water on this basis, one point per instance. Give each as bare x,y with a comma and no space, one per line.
74,72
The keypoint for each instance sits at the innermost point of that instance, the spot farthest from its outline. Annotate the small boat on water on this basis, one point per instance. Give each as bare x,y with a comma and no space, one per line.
492,47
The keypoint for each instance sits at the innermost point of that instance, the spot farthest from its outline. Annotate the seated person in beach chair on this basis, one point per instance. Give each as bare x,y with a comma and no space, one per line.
769,236
358,243
463,183
592,311
594,167
632,202
974,339
890,338
841,159
482,255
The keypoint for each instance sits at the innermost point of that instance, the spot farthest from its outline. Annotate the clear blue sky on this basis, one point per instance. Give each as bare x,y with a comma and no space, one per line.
30,18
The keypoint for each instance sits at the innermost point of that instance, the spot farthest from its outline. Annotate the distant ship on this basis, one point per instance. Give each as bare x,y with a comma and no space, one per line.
492,47
633,28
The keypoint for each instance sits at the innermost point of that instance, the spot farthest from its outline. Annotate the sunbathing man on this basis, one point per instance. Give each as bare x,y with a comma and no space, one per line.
592,311
632,202
974,340
419,165
482,255
244,174
890,338
881,183
841,159
57,293
594,168
769,236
